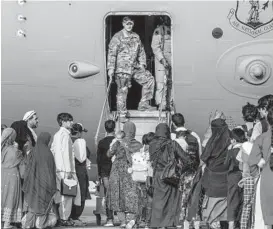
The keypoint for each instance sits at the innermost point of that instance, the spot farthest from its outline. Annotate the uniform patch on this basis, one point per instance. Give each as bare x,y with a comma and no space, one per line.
252,17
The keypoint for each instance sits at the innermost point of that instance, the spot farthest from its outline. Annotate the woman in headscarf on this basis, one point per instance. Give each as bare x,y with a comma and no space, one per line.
214,179
24,137
122,193
40,186
166,198
11,193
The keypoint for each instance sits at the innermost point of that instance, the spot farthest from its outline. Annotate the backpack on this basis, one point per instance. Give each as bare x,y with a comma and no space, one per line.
193,146
141,167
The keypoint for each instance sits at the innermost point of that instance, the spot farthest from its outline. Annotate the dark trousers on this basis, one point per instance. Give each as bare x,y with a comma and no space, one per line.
76,211
109,213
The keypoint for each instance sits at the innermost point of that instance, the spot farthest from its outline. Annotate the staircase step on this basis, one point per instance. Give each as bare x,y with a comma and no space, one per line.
145,121
145,114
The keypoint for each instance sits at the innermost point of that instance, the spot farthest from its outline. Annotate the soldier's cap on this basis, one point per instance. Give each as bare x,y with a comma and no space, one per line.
127,20
78,128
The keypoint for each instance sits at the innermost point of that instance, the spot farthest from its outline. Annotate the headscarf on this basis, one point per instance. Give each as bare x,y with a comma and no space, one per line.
10,155
23,132
218,142
129,129
8,137
129,142
161,139
40,177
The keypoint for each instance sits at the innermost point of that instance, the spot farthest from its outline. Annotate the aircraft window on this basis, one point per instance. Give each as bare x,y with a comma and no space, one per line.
145,26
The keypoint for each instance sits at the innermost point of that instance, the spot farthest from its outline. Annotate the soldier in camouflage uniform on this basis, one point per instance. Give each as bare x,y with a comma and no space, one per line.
161,45
126,60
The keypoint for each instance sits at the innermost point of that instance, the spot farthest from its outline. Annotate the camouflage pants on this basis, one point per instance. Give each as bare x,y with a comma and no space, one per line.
162,93
142,77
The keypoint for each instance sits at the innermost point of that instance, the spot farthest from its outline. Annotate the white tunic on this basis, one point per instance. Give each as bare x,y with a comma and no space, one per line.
79,149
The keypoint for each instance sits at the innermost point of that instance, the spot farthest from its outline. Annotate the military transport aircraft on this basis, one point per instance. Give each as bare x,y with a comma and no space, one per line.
54,58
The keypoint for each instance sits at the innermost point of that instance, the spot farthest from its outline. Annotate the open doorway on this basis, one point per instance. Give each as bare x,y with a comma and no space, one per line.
144,26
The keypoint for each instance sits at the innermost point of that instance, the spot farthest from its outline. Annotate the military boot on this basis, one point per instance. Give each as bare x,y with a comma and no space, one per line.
144,106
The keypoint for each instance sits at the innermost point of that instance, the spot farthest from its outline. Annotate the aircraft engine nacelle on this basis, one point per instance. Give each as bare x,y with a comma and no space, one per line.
79,69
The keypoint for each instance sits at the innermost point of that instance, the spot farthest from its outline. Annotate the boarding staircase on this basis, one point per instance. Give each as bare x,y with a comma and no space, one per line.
145,121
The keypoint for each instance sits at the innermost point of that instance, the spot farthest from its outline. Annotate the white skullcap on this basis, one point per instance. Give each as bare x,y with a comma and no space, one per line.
247,147
28,115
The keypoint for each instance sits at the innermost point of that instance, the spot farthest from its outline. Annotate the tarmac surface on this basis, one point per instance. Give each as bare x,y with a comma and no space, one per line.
89,218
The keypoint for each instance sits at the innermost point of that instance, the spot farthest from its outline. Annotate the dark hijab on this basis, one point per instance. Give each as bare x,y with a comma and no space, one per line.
40,177
23,134
218,142
161,140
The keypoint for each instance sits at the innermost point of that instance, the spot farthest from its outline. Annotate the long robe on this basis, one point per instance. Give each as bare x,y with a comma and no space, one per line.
166,198
122,193
11,193
214,179
262,148
40,186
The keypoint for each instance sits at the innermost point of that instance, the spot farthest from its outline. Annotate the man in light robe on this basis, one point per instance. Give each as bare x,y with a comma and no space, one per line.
65,167
32,122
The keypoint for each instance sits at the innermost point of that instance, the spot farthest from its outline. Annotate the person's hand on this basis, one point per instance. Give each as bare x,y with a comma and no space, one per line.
261,163
217,114
69,176
203,168
111,74
15,144
142,67
164,63
88,164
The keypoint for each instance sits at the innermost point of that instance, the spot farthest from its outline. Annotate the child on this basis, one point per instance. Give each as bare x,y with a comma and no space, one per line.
145,190
250,114
235,193
105,164
81,163
250,177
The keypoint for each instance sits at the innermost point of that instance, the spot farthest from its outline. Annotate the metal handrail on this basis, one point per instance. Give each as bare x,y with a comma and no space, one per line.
102,111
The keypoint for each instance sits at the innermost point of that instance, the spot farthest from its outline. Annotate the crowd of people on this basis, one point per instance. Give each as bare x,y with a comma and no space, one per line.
43,186
225,179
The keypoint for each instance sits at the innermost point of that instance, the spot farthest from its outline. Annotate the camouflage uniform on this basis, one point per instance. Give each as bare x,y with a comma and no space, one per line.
125,56
161,45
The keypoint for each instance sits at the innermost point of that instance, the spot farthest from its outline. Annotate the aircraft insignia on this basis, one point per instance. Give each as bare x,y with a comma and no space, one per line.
252,17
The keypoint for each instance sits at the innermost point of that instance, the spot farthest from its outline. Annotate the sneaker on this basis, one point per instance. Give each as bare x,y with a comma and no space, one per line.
109,223
123,225
78,222
130,224
66,223
142,224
